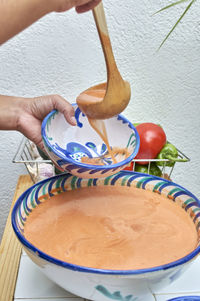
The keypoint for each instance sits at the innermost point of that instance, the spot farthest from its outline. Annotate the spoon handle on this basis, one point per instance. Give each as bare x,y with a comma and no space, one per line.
100,20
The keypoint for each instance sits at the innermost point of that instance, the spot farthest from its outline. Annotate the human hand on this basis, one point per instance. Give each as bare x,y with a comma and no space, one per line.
30,113
80,5
26,114
16,17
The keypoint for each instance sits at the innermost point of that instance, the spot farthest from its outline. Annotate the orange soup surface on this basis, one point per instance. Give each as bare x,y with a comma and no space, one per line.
111,227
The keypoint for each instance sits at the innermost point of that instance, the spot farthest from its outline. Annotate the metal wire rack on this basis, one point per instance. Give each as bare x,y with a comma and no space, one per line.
28,154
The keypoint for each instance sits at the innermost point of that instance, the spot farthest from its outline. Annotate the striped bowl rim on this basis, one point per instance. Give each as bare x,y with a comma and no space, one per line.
74,267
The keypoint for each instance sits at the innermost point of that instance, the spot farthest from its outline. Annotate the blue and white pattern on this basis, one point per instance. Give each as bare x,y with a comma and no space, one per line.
104,285
66,145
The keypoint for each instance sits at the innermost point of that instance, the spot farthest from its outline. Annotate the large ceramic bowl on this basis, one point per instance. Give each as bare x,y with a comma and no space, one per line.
98,284
186,298
66,144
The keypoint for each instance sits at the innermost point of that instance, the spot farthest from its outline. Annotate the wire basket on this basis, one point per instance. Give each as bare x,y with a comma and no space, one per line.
40,168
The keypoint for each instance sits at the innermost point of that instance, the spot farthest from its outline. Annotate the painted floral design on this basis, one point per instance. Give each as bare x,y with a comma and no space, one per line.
76,150
116,295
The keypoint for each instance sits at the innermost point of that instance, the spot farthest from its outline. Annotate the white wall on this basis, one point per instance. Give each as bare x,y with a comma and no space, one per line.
61,54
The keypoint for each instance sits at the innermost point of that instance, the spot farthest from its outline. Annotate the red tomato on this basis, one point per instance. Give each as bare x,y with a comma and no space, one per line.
152,140
129,166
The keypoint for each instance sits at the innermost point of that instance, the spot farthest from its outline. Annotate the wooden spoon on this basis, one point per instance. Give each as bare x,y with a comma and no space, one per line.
108,99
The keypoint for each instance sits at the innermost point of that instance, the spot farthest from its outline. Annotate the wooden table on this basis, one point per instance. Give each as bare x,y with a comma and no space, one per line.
10,248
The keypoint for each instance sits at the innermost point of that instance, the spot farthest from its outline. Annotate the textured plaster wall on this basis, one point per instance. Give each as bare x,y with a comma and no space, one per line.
61,54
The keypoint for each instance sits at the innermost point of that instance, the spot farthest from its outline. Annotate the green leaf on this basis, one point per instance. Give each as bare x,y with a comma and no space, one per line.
170,5
185,11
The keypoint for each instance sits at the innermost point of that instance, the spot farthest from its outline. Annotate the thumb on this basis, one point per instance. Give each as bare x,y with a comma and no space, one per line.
65,108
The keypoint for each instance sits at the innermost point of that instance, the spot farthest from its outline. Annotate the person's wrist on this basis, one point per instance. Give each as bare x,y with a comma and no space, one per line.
44,7
51,5
19,110
10,111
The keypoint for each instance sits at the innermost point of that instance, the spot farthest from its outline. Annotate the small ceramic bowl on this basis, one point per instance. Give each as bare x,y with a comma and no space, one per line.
102,284
66,144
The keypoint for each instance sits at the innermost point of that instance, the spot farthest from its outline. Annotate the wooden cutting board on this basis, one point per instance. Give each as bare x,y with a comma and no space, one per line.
10,248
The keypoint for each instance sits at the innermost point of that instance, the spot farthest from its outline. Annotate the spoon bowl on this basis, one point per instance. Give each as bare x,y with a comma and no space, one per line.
107,99
113,103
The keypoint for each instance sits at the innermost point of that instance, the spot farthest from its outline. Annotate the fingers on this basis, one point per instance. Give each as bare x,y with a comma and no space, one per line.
40,144
88,6
39,107
63,106
64,5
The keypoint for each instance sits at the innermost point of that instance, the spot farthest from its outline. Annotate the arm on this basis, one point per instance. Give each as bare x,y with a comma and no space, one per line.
9,110
16,15
26,114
